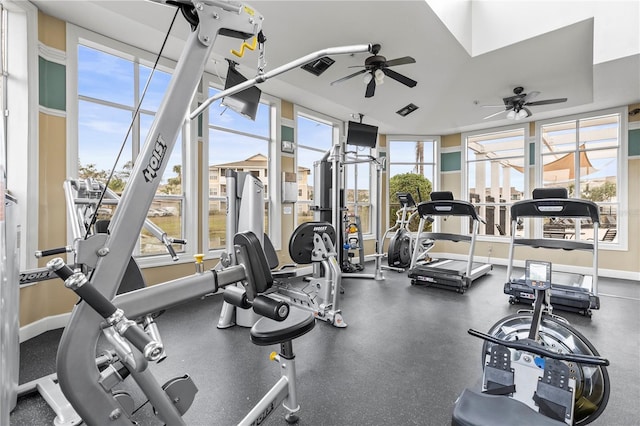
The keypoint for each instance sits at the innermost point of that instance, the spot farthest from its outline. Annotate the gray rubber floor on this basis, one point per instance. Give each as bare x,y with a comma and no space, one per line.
403,359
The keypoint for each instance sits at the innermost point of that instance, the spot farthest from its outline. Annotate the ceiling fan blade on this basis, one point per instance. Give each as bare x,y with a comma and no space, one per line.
348,77
496,113
547,102
371,88
492,106
530,96
528,111
400,61
399,77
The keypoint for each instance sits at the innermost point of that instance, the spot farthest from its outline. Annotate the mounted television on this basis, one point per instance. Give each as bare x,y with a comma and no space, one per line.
359,134
245,102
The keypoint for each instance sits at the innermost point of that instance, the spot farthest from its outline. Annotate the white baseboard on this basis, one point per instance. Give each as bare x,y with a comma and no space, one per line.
608,273
43,325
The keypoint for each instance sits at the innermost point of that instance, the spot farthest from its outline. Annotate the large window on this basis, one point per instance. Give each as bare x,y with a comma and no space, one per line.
315,137
239,144
583,155
412,168
496,176
110,86
359,190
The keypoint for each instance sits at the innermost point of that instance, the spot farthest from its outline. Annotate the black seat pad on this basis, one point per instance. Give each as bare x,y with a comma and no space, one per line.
269,332
479,409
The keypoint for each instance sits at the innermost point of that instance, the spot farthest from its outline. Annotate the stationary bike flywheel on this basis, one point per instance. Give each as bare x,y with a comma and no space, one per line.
592,382
400,249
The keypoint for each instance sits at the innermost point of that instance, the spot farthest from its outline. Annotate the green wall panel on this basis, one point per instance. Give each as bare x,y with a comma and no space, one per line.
287,133
52,84
532,154
450,161
634,142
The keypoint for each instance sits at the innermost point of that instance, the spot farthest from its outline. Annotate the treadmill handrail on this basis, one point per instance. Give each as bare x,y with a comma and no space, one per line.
556,207
554,243
448,208
444,236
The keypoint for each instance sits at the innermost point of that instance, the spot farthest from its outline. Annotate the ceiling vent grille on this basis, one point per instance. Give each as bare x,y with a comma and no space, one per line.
404,111
318,66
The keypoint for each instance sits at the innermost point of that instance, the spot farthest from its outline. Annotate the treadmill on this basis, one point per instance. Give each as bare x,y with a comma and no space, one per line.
448,273
569,291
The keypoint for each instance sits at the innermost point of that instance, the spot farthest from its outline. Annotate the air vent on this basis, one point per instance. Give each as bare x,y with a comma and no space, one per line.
404,111
318,66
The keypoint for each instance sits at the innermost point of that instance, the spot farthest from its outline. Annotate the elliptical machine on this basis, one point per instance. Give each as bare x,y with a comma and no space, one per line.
402,243
537,368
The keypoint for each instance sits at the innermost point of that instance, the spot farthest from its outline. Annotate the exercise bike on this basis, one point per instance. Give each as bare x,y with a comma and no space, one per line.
537,369
402,243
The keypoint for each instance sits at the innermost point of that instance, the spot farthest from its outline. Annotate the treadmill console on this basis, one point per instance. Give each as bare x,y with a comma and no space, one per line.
405,199
538,274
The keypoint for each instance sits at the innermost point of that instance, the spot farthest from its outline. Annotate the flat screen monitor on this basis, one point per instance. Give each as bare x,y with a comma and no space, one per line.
245,102
538,274
359,134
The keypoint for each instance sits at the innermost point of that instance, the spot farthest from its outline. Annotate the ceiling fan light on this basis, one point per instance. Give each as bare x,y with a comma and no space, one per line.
367,78
521,114
379,75
511,115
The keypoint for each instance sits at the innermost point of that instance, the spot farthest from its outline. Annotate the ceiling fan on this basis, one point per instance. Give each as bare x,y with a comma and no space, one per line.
376,67
516,106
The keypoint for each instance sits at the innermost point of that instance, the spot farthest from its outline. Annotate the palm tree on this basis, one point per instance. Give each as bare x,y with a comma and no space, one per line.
419,157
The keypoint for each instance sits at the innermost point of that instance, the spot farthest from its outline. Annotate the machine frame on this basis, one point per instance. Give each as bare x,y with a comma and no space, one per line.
110,256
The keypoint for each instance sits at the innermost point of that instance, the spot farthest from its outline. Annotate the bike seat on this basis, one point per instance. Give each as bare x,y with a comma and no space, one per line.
479,409
267,332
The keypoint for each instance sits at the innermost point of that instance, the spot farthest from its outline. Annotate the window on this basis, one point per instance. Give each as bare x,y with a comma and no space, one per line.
584,156
315,137
412,165
239,144
496,176
358,187
110,86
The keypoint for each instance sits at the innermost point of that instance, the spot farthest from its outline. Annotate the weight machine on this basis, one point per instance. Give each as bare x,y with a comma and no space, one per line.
329,193
311,243
101,312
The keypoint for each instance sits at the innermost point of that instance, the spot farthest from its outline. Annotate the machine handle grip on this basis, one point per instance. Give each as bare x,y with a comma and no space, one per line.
80,285
50,252
270,308
178,241
172,252
151,349
61,269
96,300
539,350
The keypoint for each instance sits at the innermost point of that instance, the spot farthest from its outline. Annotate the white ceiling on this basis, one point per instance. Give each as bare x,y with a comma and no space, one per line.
452,84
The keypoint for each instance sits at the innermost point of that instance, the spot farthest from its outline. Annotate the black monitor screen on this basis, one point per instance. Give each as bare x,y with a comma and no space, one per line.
362,134
538,274
245,102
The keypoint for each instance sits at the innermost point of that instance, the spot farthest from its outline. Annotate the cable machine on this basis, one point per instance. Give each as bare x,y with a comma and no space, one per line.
329,191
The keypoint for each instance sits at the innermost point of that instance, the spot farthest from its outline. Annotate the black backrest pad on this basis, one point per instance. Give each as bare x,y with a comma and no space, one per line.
258,266
301,242
270,252
550,193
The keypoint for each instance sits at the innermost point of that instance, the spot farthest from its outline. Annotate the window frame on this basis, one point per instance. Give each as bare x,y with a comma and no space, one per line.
22,131
622,167
79,36
273,201
526,144
337,130
435,183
